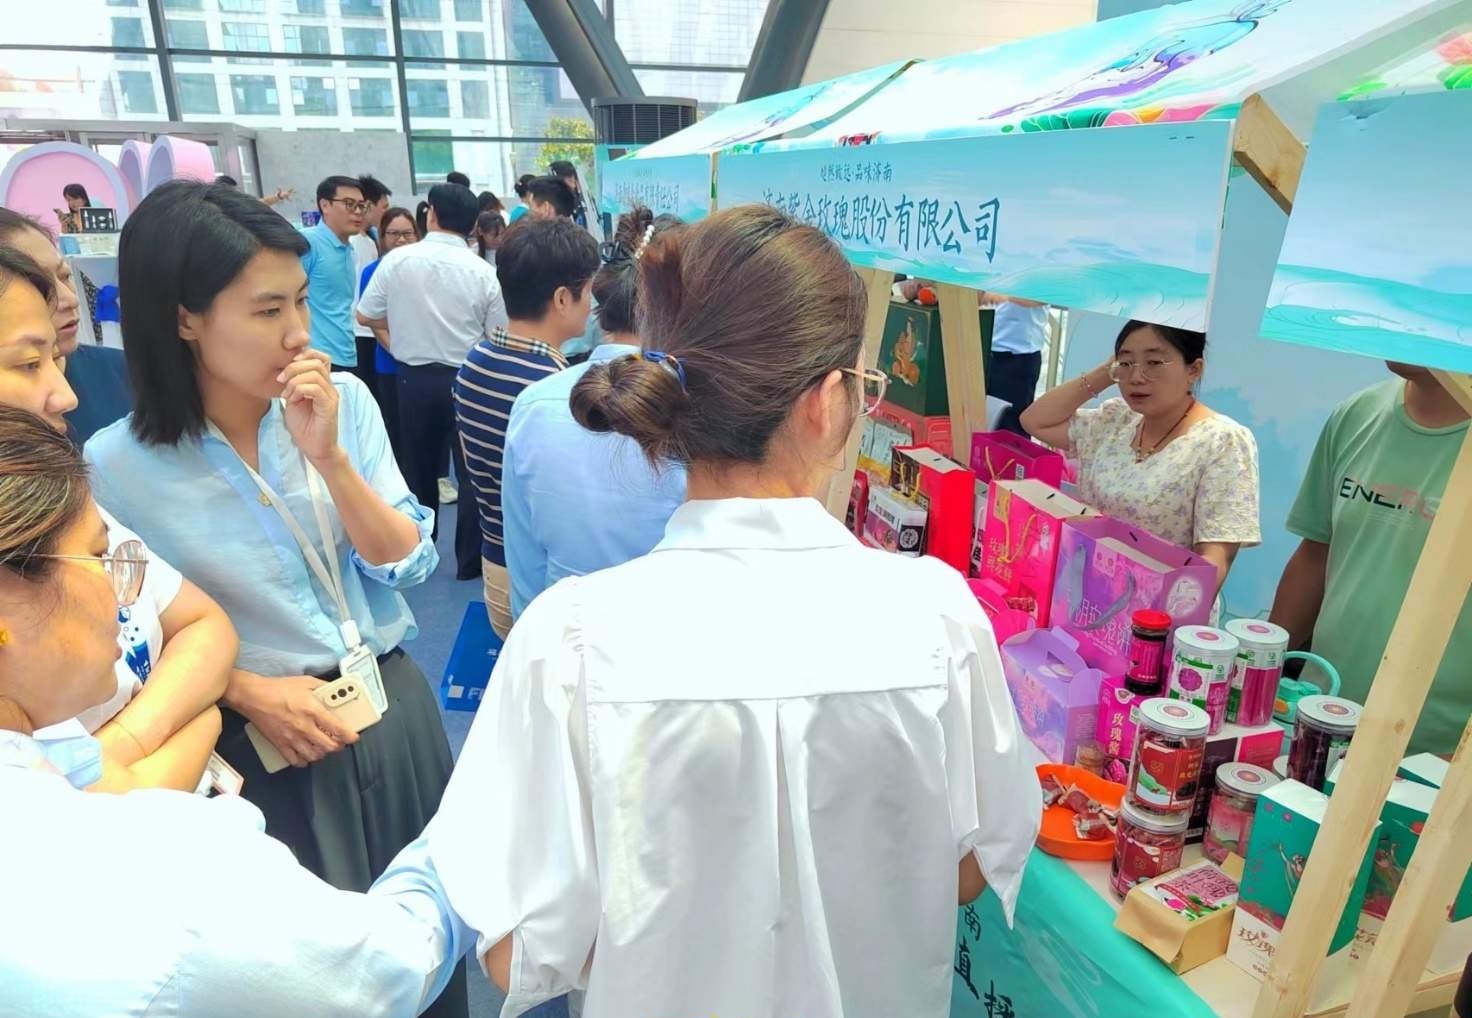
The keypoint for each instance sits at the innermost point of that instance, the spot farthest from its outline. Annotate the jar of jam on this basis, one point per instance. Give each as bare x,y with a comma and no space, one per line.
1320,737
1165,767
1146,845
1150,629
1233,805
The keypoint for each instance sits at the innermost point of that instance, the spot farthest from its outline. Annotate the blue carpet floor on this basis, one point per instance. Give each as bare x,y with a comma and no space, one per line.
439,605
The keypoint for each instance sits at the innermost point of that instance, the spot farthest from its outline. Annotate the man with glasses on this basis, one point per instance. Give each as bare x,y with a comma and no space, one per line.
331,279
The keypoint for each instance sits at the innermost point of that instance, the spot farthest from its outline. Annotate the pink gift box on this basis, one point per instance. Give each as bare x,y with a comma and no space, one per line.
1108,570
1019,554
1055,692
1006,456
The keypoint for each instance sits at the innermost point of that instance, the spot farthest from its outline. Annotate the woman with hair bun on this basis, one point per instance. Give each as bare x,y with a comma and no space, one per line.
722,727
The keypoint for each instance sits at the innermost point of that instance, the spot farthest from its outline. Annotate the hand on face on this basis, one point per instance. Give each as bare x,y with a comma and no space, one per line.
311,406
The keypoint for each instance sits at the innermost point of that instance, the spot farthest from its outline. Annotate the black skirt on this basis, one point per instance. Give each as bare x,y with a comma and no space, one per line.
346,816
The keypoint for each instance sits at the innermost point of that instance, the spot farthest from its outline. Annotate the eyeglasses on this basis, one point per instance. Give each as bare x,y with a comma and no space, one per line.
351,205
875,382
124,567
400,234
1149,370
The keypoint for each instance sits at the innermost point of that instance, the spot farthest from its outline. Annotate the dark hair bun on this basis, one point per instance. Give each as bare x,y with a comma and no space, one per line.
637,398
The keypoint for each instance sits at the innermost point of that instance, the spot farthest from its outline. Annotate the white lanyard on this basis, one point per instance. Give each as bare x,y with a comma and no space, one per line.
330,573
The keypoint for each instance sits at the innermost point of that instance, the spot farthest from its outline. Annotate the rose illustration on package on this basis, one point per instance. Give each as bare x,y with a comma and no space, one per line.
1190,680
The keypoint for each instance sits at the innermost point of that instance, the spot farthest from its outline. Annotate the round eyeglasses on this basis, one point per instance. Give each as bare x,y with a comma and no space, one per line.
1149,370
124,566
875,383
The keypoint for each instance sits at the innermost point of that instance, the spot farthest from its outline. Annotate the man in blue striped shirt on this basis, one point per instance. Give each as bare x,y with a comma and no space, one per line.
544,267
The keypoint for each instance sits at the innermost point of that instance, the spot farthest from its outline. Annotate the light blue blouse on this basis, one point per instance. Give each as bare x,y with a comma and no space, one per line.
197,506
156,932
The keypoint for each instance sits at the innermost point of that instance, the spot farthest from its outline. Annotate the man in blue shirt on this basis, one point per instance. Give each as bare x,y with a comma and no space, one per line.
574,501
544,267
1019,333
331,279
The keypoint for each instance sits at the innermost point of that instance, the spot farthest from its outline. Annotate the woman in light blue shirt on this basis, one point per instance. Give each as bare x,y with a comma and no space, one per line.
235,423
156,903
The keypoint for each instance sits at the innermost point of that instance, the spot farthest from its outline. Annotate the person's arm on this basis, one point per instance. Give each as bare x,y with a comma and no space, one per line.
177,764
283,708
1220,554
1051,414
281,194
379,533
381,334
1301,592
988,297
273,939
199,648
972,883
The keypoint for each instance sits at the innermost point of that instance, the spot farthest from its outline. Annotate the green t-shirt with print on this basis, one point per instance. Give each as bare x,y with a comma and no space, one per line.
1371,491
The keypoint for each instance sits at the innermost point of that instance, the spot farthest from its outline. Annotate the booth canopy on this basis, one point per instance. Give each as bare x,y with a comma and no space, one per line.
673,175
981,169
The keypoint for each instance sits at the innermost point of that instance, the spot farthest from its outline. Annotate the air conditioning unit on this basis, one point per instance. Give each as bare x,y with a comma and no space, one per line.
620,123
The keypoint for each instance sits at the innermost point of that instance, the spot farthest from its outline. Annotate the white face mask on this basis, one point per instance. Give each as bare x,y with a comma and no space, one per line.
79,758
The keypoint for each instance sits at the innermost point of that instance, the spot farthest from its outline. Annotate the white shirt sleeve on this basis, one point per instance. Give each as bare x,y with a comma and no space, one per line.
513,839
495,306
996,800
374,301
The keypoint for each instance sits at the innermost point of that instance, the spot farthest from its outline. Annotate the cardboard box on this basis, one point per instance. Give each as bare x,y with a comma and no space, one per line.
945,490
894,524
1108,570
978,527
1403,817
1024,525
1184,918
1259,746
1426,768
858,504
1056,694
912,355
932,431
1283,832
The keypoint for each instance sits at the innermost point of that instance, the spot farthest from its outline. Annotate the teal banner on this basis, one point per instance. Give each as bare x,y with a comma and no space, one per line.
1063,958
1121,221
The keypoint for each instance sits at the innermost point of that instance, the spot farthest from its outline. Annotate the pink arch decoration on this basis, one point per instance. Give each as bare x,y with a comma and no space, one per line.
178,159
33,178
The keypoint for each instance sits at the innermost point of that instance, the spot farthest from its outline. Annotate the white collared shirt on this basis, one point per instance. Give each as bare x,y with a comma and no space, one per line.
745,767
168,905
439,298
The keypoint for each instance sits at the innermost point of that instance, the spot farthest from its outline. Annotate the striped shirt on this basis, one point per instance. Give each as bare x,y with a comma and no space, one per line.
495,372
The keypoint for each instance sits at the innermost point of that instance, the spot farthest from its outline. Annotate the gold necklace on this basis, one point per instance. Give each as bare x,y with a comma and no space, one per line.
1141,453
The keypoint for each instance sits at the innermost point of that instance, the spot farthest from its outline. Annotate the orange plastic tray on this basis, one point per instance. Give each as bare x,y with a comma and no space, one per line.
1057,836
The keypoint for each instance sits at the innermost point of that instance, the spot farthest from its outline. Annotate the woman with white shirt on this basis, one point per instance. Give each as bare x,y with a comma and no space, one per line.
155,903
158,727
752,772
272,483
1158,458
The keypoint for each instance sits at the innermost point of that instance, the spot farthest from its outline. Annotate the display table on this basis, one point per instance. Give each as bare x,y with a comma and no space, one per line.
1064,959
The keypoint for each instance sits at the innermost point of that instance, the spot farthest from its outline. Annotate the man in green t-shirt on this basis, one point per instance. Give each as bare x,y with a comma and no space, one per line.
1372,488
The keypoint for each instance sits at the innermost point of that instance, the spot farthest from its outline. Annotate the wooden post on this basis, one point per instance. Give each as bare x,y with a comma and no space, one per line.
1432,604
960,331
1270,153
1460,387
878,283
1418,915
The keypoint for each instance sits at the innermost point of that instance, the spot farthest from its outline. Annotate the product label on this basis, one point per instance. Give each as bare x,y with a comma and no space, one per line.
1165,776
1195,892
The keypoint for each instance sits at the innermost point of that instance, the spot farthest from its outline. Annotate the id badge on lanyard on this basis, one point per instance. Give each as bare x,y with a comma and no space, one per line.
359,662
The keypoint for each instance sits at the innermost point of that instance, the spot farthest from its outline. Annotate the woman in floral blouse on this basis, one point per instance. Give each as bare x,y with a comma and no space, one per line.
1158,457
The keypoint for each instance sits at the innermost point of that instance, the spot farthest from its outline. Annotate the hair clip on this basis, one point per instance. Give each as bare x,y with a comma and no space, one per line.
644,242
669,361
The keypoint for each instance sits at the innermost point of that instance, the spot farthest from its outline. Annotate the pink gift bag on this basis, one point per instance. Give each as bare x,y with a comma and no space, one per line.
1108,570
1005,456
1019,552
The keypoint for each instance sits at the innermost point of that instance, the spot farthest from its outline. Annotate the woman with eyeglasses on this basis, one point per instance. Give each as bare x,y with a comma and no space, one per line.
271,482
193,911
1158,457
761,720
396,229
159,724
